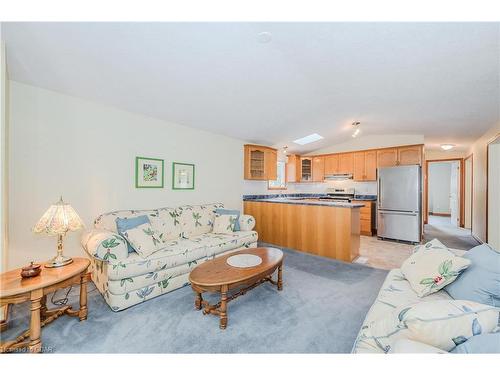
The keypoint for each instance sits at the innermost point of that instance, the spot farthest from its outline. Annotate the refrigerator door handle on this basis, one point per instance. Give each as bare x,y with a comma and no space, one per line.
380,204
398,213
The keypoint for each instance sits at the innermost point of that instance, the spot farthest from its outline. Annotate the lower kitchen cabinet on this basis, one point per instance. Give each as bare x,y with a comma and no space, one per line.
367,218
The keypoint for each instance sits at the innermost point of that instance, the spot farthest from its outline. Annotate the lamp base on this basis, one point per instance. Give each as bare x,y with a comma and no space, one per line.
58,261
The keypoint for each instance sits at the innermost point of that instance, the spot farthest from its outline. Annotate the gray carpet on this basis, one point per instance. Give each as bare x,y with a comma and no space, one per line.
320,310
454,240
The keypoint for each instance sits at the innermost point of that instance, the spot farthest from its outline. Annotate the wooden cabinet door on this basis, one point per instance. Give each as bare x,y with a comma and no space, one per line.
293,168
346,163
370,166
331,164
359,166
387,157
318,169
410,155
306,169
271,163
254,163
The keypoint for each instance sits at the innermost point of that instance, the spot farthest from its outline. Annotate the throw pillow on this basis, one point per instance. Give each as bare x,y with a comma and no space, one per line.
443,324
481,281
432,268
223,211
481,344
143,239
124,224
224,224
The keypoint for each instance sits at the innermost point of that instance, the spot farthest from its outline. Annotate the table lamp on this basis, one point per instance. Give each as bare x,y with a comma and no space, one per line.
57,221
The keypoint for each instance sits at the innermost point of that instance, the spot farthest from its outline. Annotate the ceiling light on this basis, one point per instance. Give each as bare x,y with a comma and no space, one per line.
447,146
357,130
308,139
264,37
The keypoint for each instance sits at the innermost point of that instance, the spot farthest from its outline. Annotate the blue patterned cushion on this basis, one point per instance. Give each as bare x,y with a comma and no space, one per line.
487,343
481,281
122,225
223,211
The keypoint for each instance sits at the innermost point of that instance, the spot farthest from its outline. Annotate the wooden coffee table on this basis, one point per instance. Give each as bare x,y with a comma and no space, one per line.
218,276
14,289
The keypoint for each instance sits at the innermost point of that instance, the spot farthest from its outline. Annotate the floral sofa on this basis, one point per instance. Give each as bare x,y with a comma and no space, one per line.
126,279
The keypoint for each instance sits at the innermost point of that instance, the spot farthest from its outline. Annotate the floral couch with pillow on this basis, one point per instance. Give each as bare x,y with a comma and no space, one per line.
439,301
182,237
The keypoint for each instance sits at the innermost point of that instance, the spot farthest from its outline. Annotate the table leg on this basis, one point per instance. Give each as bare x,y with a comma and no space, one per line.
223,307
82,314
43,309
280,277
197,300
35,344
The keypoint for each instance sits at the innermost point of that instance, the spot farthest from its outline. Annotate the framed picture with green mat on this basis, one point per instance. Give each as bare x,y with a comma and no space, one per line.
182,176
148,172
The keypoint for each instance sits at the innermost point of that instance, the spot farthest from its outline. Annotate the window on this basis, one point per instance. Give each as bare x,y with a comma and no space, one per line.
280,182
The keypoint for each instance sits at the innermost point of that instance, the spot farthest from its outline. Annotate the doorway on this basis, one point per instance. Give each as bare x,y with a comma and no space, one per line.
493,193
445,203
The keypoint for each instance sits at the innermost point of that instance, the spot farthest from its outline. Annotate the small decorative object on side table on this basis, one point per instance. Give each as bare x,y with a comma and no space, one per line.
15,289
57,221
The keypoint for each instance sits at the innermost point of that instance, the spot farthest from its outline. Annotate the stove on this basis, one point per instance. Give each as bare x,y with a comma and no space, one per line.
339,195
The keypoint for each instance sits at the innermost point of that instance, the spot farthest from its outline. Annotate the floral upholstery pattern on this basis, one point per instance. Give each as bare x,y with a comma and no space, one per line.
186,240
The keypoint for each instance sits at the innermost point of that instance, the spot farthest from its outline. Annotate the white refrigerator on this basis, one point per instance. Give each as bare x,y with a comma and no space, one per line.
399,203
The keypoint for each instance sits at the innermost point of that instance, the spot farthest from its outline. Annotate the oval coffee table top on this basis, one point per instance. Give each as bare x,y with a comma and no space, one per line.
217,272
11,282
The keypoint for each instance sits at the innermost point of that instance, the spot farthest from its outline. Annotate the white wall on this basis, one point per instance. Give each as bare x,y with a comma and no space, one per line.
439,187
441,154
366,142
468,193
86,152
3,157
478,149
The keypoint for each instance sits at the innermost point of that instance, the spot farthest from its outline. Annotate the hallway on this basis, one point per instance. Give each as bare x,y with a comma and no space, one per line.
440,227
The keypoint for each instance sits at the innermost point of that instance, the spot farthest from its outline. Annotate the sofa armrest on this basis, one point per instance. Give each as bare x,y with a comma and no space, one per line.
247,222
104,245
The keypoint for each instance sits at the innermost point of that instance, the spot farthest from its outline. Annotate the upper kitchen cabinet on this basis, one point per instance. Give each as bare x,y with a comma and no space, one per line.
318,171
293,168
387,157
406,155
306,169
331,164
346,163
260,162
411,155
365,166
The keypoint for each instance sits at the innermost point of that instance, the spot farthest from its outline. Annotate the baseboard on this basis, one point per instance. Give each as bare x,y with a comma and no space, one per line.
439,214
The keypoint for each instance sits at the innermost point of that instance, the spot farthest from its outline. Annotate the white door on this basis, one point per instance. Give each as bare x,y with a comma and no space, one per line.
494,194
454,193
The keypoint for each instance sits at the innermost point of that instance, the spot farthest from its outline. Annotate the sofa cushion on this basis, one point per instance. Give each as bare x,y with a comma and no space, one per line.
107,221
143,239
443,324
167,224
224,224
481,281
126,223
219,243
481,344
432,267
196,220
224,211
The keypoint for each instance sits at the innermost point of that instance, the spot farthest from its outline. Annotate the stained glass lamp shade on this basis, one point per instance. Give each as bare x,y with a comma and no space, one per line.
57,221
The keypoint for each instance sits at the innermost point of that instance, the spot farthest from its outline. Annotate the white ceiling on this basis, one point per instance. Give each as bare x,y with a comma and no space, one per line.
440,80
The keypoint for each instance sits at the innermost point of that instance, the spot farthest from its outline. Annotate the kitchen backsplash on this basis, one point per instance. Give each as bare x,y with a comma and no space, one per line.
260,187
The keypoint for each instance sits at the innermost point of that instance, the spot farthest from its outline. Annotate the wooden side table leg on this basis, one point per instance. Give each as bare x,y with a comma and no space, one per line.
223,307
82,313
35,344
43,308
280,277
197,300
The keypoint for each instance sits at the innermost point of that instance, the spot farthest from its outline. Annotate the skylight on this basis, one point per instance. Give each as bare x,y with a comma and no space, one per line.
308,139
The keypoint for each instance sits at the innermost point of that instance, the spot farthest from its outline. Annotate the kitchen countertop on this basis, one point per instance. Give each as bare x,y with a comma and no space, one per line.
306,202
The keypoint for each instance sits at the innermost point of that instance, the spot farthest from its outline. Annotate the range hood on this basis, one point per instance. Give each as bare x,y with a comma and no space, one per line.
338,176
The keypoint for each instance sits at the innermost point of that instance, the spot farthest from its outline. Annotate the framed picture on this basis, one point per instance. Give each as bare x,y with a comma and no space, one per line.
148,172
182,176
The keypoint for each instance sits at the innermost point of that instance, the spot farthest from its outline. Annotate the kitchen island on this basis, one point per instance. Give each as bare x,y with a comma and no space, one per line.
325,228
